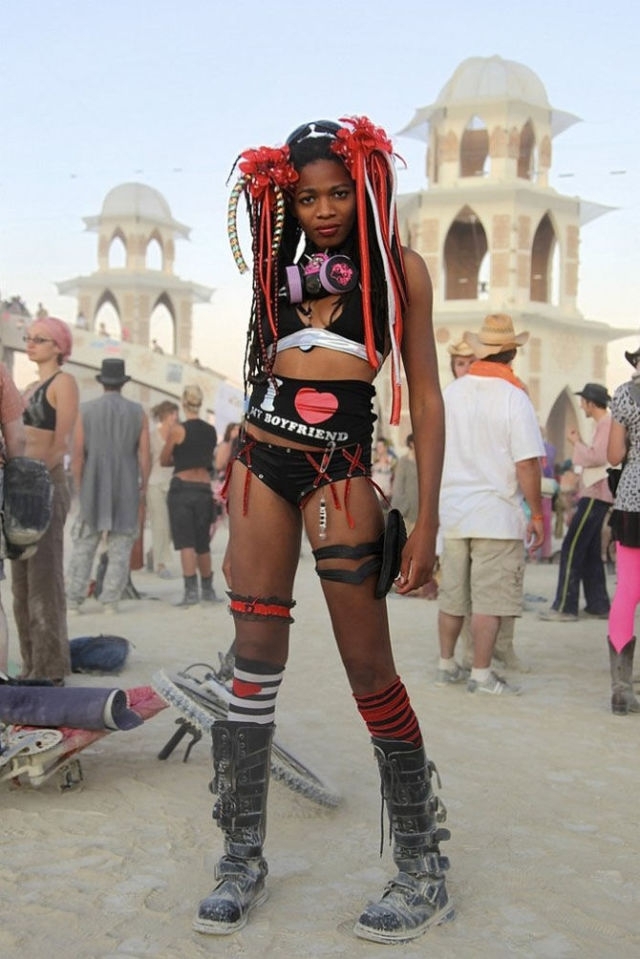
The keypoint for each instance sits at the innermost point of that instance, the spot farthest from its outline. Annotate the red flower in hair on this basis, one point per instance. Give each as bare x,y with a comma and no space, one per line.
267,167
363,139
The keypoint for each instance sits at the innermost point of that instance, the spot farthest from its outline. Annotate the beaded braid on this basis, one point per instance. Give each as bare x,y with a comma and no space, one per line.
265,176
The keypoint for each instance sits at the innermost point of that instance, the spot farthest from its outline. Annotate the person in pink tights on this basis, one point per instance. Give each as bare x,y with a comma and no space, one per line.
624,448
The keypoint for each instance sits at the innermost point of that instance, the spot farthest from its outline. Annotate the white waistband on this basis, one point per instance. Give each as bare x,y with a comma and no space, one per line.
312,336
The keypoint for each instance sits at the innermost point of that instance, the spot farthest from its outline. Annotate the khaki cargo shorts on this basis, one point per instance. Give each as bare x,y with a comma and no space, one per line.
481,575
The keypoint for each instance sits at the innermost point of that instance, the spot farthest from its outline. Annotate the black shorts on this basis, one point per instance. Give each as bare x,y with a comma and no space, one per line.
191,514
294,474
625,527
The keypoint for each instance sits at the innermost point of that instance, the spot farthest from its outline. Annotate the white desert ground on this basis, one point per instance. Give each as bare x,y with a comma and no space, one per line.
542,794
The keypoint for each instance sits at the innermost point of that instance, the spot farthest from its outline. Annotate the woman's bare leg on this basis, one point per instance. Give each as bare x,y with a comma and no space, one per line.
359,620
264,549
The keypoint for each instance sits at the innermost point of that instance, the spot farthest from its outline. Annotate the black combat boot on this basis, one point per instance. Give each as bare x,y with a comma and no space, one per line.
417,897
623,700
241,765
190,597
207,592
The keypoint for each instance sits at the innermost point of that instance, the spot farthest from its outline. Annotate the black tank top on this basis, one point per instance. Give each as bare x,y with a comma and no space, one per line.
39,412
196,450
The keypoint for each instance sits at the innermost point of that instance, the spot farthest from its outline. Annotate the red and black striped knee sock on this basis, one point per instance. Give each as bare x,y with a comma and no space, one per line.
389,714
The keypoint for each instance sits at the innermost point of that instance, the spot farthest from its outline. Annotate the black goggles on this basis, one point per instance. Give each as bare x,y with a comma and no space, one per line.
319,128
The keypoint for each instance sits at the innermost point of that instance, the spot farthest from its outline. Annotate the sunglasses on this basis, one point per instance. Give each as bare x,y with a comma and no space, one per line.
38,340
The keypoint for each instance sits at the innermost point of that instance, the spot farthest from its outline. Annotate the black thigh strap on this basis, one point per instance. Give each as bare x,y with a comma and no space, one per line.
355,576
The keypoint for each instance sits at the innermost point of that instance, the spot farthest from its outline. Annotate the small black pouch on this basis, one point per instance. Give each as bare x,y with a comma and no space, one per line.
395,537
613,478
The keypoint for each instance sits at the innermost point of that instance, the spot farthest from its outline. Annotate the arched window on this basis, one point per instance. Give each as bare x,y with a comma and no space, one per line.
527,152
466,259
545,262
562,417
117,251
154,256
474,148
107,319
162,326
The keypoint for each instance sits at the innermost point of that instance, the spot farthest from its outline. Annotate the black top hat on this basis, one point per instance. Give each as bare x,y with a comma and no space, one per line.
632,358
112,373
595,393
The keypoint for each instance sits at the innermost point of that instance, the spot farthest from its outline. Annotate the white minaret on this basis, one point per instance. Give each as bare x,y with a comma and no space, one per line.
497,238
137,218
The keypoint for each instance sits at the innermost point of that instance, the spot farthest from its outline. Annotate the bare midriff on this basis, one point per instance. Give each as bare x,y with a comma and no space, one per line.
195,475
38,446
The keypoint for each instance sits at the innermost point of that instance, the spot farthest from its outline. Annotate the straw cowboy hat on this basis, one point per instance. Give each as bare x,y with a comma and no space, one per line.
496,336
460,349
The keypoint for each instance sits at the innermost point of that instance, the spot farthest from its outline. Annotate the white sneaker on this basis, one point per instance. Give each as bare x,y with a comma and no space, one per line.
494,685
444,677
555,616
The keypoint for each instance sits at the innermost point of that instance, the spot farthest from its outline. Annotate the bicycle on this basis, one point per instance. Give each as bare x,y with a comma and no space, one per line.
201,694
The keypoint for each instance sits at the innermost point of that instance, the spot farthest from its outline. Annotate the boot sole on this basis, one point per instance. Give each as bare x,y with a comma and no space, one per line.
211,928
446,914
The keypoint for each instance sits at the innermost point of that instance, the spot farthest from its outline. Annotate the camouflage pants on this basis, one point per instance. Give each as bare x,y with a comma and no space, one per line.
85,544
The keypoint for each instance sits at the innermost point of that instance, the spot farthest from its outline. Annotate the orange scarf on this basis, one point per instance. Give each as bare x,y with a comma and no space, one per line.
501,370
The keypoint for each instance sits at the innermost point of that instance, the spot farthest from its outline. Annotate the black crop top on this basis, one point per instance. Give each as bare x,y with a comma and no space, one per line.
349,323
196,450
39,412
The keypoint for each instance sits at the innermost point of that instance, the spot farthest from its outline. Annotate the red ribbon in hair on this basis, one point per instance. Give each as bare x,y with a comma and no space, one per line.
267,167
362,140
366,151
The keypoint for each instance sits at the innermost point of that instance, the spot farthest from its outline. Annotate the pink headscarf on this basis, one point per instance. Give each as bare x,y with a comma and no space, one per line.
59,333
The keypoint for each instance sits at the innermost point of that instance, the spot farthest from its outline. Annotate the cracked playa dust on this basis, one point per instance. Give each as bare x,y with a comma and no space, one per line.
541,792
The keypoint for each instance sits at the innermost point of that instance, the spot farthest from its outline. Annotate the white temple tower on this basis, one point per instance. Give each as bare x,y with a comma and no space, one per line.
497,238
137,223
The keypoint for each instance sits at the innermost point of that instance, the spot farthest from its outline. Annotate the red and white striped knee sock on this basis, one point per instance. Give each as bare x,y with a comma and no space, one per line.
254,691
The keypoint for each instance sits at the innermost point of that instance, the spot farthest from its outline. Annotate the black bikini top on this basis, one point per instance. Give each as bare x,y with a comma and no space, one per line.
347,326
39,412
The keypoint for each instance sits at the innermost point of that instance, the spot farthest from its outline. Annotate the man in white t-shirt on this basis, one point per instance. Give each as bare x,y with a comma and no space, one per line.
491,464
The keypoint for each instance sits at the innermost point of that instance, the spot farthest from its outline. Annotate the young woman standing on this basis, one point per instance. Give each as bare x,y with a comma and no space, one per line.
323,321
51,408
189,448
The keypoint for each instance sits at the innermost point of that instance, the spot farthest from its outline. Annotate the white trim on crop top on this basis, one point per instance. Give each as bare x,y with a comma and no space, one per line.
312,336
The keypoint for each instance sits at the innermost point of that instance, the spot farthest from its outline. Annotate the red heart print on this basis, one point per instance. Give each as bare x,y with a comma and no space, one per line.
314,407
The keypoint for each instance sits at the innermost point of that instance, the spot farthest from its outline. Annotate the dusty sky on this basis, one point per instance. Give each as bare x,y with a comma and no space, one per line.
168,94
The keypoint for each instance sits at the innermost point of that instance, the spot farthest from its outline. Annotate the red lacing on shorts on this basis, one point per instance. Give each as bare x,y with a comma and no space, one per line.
246,452
321,473
355,467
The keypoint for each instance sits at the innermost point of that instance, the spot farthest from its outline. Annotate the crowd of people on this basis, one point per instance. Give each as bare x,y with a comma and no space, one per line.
471,487
106,453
